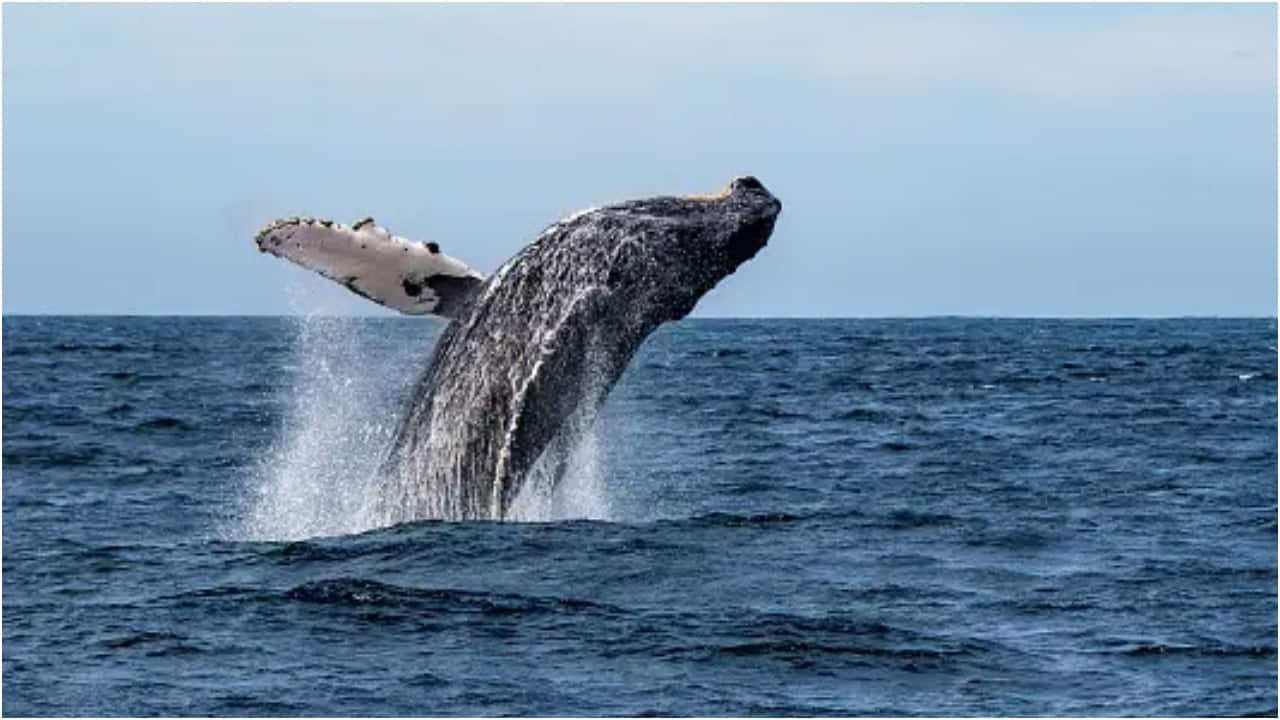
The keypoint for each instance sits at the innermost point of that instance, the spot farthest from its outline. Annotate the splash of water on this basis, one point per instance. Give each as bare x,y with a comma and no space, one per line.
566,483
580,494
318,477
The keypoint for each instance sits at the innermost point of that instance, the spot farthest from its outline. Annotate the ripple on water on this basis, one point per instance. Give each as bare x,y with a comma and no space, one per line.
802,518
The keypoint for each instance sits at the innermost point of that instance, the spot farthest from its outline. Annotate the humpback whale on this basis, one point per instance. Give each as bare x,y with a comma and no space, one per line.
530,352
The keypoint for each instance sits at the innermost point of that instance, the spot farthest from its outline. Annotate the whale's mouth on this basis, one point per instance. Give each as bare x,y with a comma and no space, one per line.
708,197
745,182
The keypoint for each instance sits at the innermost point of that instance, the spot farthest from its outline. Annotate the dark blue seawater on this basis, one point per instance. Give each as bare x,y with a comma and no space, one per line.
904,517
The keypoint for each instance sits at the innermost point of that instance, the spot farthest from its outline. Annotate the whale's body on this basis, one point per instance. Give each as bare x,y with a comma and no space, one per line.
533,350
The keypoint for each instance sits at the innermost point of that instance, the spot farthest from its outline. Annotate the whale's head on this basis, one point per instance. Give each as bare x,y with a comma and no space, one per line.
739,220
672,250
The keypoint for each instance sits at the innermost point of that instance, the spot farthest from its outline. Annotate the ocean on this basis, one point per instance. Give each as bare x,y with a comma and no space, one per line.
771,517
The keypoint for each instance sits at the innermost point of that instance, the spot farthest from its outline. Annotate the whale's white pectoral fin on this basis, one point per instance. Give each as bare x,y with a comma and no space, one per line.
414,278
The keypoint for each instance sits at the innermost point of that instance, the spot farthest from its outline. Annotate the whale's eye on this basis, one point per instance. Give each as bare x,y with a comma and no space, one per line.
747,183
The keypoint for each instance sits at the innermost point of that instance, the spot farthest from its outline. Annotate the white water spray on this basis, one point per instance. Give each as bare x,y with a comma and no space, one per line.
317,476
580,493
346,388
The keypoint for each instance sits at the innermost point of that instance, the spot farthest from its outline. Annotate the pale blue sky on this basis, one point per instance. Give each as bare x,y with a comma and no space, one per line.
1082,160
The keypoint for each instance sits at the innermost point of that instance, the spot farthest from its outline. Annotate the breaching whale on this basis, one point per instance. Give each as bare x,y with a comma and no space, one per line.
530,352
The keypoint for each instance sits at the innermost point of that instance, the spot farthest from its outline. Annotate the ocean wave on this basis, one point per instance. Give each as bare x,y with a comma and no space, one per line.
796,639
732,520
1028,380
1012,539
53,456
775,412
889,592
255,705
1168,649
863,414
1042,607
906,518
119,375
805,649
87,347
164,423
119,409
356,592
222,591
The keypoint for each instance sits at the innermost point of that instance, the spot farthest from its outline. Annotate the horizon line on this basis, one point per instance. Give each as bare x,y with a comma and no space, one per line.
409,318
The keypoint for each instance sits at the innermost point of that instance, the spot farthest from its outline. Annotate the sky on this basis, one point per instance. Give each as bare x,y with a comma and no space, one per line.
1012,160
